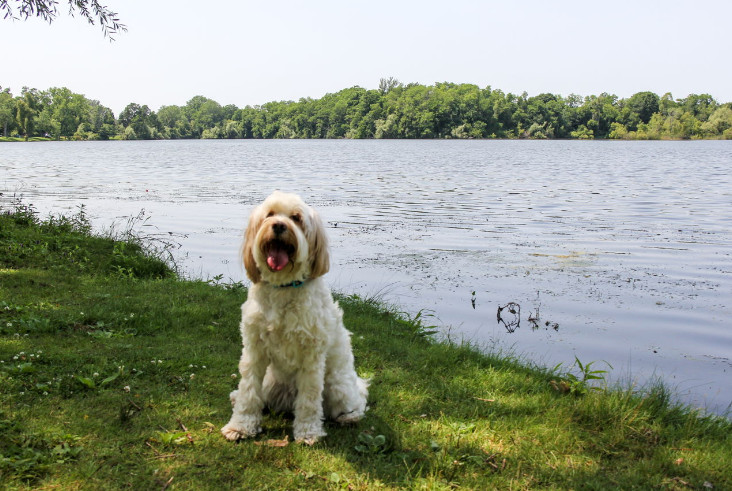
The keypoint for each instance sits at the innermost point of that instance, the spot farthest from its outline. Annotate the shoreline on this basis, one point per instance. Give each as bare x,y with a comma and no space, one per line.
114,351
42,139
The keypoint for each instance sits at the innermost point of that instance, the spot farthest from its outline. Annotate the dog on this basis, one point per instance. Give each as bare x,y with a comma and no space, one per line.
296,354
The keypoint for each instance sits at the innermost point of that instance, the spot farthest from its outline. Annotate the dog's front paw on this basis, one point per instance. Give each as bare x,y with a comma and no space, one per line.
310,441
308,433
240,428
349,418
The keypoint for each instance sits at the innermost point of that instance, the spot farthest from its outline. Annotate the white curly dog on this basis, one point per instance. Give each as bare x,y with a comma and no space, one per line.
297,353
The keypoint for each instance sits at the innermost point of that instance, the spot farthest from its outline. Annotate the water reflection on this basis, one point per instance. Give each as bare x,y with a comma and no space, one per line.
511,318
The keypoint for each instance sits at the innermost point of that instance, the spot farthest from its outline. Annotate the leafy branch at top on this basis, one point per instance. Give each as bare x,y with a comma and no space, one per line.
47,10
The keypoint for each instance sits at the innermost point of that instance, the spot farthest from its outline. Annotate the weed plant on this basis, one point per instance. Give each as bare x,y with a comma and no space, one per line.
115,374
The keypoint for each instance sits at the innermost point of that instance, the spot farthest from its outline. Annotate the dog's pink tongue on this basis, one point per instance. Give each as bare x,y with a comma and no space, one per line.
277,259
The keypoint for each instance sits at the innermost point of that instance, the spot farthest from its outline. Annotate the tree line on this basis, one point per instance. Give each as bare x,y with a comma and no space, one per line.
394,110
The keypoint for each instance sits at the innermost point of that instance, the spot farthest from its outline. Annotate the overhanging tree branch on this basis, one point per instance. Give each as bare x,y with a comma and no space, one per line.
47,10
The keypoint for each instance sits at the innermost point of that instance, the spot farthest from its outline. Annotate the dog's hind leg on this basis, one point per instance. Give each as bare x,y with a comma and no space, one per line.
345,392
345,398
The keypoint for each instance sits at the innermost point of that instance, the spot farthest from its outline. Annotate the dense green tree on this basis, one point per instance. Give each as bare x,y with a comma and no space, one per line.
666,104
27,108
174,122
7,107
69,109
369,109
644,104
101,120
394,110
228,111
47,126
719,123
171,116
386,85
701,106
599,114
504,108
140,122
203,113
413,115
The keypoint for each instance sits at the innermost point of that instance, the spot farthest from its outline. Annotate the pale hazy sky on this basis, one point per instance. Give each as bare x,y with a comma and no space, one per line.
244,52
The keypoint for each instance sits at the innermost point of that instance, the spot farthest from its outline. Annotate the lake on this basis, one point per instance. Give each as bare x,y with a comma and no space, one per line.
614,252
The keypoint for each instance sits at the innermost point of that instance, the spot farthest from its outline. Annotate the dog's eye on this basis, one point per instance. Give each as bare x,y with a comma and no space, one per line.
296,218
270,214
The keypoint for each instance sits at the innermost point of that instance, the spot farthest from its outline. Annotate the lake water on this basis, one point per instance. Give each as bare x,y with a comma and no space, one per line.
621,251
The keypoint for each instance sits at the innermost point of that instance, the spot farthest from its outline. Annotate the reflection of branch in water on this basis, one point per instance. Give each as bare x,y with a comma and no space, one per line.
534,319
510,322
510,316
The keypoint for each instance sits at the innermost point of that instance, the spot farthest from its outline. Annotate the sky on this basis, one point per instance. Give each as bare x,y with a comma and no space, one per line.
246,52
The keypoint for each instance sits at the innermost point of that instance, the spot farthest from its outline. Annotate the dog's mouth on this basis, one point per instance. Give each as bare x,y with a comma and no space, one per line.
278,254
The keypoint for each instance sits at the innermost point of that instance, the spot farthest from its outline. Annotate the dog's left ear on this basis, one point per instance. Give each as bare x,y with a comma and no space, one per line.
319,255
247,252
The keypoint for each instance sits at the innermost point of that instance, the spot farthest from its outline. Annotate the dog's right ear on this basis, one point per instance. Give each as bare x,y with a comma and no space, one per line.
319,255
247,250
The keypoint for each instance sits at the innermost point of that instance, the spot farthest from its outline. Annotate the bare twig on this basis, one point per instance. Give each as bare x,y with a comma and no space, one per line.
165,486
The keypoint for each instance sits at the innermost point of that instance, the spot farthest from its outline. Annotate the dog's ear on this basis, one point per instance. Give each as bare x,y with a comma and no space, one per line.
247,250
319,255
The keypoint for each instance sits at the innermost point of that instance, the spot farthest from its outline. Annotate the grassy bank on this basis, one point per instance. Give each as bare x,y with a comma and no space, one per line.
115,374
5,139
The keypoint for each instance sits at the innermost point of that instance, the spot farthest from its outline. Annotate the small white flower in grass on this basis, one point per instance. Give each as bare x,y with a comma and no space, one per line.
45,393
126,388
95,374
204,367
193,375
233,375
9,324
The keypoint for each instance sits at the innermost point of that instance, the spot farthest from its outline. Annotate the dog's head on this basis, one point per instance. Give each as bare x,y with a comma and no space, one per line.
285,241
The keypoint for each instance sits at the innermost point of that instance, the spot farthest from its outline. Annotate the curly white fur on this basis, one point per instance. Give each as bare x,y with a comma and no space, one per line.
297,353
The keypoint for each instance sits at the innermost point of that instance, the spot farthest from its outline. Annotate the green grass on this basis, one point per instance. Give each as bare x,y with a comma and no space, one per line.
115,374
5,139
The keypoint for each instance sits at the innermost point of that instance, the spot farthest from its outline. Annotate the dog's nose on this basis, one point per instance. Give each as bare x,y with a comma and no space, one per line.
279,228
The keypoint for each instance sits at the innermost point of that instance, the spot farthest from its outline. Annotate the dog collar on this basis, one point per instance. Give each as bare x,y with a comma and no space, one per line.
294,284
